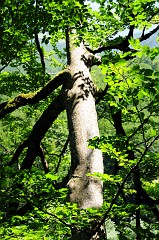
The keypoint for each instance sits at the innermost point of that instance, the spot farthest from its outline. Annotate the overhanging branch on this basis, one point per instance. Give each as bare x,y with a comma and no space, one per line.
122,46
149,34
35,97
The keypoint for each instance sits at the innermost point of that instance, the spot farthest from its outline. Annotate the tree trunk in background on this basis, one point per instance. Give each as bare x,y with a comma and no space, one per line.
83,125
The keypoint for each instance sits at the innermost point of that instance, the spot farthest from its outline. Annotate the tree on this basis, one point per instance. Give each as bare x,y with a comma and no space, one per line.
127,105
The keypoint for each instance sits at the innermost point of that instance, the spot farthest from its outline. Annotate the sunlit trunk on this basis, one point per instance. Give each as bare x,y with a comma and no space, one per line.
82,122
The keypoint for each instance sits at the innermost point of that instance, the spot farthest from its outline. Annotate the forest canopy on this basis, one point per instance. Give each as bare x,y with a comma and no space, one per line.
79,130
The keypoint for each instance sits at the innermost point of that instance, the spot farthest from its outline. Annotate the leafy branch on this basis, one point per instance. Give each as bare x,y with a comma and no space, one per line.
133,169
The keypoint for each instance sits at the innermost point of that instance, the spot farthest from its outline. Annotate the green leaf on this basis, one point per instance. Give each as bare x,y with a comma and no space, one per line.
51,176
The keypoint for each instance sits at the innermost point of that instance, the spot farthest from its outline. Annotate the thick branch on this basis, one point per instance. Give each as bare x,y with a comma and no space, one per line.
40,128
32,143
142,193
148,35
117,119
18,152
101,94
122,46
35,97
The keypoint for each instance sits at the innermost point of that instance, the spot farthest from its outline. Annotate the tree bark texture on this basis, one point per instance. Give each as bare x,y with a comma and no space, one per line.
83,125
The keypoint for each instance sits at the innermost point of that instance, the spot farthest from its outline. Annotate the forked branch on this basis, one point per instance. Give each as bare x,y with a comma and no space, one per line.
32,143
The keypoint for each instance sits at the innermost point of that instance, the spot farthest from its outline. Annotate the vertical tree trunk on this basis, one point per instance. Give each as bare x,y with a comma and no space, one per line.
83,125
82,122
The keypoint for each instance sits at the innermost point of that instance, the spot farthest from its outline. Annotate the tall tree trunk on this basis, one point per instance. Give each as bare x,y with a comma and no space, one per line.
83,125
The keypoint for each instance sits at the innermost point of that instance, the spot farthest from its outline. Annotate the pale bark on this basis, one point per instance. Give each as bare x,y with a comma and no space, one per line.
83,125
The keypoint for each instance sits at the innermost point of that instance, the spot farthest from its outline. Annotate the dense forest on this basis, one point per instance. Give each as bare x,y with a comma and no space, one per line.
79,110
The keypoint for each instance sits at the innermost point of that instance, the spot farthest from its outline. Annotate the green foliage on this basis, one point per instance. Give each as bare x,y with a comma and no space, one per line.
30,205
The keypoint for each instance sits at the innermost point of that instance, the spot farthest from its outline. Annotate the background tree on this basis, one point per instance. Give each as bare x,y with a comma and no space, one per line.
37,167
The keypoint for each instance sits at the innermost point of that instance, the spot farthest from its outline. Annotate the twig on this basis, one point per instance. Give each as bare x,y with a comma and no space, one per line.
43,160
4,148
139,127
62,153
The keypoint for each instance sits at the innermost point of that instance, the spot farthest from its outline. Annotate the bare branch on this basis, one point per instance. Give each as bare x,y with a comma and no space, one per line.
40,51
62,153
